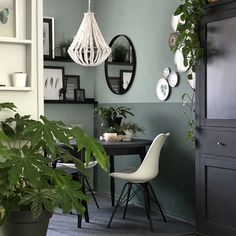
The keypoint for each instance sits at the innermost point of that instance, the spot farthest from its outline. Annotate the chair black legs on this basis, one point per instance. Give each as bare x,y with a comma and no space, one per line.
117,204
147,190
91,191
157,202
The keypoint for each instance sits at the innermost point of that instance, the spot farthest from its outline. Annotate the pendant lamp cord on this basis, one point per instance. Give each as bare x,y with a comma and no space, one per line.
89,5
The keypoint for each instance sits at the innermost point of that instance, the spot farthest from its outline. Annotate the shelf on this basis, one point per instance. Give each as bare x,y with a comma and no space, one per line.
15,89
87,101
15,40
120,63
62,59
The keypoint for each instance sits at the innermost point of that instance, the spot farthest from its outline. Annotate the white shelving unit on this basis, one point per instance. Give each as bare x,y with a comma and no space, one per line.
17,47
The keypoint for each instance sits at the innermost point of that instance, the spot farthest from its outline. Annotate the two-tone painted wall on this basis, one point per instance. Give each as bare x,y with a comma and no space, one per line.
148,25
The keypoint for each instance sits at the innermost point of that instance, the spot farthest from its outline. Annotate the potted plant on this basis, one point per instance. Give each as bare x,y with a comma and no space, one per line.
30,188
130,129
64,45
113,115
119,52
113,134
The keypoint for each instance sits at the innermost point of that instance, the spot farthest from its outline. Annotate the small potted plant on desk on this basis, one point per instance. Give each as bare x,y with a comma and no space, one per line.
113,115
64,45
130,129
30,188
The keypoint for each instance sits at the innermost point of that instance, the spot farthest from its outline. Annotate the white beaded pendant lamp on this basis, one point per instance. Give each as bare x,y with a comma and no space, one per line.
89,47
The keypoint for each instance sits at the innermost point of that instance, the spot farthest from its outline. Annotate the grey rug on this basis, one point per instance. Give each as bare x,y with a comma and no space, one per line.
136,222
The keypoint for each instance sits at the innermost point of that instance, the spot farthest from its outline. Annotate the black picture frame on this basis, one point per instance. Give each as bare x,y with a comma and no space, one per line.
79,95
72,82
54,82
48,37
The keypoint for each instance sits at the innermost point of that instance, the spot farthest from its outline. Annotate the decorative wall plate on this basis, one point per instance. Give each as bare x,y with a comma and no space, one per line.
172,39
166,72
162,89
173,79
175,21
179,61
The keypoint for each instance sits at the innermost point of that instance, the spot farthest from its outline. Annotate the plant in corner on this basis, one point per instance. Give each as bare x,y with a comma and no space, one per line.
28,181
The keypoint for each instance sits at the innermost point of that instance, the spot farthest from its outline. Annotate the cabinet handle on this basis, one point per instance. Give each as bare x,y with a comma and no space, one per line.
221,144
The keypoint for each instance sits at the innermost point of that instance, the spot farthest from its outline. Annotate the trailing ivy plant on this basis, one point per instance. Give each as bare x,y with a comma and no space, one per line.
188,32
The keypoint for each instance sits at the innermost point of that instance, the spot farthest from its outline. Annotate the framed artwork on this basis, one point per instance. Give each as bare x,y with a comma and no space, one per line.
8,18
48,37
126,76
79,95
72,82
53,82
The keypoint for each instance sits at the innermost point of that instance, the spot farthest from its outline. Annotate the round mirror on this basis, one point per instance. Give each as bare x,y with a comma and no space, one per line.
120,66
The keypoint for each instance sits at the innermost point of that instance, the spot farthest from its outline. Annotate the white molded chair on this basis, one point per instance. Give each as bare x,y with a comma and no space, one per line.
147,171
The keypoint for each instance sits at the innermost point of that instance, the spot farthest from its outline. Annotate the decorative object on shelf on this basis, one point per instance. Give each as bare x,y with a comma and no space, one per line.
64,45
89,47
79,95
166,72
162,89
173,79
4,15
18,79
53,82
29,184
8,18
121,72
48,37
72,82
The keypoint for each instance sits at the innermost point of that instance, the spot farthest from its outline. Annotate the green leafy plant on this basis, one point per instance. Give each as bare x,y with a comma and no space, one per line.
188,32
112,112
132,126
189,113
28,149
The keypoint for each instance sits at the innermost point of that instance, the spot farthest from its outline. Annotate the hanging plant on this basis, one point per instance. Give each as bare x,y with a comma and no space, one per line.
188,41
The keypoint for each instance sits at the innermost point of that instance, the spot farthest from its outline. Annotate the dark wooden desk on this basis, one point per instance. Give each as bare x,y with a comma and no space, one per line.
136,146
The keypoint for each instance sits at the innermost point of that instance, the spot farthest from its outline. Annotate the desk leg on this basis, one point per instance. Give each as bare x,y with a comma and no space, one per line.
112,181
84,203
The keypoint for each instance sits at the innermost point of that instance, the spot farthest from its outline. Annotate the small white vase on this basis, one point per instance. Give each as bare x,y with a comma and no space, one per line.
129,134
112,137
19,79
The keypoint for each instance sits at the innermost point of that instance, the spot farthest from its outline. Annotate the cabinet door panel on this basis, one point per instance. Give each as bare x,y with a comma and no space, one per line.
218,191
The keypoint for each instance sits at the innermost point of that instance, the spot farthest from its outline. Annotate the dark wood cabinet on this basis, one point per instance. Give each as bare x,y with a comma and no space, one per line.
216,123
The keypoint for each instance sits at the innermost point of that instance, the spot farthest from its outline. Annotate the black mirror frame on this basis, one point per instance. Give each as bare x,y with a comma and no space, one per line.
134,65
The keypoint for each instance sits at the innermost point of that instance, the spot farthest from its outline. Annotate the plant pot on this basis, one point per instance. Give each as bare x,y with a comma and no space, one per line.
113,122
21,223
64,52
112,137
19,79
129,134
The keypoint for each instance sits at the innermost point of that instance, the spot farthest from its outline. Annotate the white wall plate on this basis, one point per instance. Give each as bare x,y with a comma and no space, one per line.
179,61
162,89
166,72
173,79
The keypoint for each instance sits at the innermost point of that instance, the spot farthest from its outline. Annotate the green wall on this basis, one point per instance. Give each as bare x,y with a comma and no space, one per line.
68,16
147,23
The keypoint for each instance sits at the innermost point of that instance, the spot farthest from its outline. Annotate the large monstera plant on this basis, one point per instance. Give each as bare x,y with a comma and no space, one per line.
28,180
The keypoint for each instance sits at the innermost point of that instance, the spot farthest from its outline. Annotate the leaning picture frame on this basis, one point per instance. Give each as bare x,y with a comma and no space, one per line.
72,82
80,95
9,18
48,37
126,76
53,82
